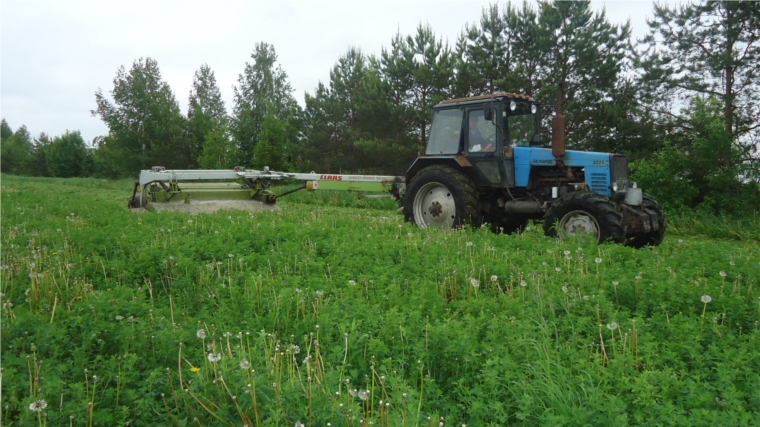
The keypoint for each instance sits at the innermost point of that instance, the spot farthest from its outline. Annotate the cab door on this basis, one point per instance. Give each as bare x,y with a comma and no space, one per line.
481,145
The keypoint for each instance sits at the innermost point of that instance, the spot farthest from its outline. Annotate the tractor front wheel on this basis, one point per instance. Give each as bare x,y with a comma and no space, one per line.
441,197
650,206
585,213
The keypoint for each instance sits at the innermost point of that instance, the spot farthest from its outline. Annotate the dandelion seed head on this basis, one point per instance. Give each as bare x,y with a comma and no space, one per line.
598,260
352,282
564,288
612,326
523,283
474,282
722,274
201,333
38,405
706,298
469,243
494,278
363,394
213,358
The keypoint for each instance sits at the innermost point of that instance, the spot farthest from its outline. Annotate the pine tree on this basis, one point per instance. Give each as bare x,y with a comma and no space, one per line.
419,70
586,52
706,49
332,124
40,147
387,145
485,53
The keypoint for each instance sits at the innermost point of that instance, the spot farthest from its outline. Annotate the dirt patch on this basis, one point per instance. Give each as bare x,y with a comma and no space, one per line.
208,206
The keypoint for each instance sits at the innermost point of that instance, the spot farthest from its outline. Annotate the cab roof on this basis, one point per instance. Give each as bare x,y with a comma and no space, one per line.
485,97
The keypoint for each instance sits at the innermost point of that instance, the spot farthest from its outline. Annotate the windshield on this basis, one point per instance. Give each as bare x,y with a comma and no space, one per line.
445,132
519,129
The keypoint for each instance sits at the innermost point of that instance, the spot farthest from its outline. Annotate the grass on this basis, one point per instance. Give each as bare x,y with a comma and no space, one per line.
336,311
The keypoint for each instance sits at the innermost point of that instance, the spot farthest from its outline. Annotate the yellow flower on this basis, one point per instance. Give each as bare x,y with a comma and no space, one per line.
195,369
78,297
55,253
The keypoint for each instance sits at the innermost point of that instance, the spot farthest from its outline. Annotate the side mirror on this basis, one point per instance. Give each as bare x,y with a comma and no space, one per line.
488,111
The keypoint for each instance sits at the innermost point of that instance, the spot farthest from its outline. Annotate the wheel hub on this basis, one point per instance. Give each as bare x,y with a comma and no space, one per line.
434,206
436,209
579,222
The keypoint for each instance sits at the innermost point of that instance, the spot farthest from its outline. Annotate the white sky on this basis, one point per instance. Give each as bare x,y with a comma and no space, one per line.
54,55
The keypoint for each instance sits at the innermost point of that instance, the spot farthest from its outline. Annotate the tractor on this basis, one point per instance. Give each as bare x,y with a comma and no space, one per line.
485,164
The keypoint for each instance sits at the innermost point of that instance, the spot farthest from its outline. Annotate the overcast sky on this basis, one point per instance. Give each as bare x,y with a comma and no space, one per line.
55,54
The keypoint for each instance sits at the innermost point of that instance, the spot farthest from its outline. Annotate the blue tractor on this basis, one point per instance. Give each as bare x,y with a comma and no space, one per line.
485,163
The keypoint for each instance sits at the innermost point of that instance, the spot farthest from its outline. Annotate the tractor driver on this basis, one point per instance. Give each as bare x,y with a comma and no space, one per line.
477,142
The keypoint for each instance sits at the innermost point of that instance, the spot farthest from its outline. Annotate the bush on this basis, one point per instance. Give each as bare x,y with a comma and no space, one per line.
700,167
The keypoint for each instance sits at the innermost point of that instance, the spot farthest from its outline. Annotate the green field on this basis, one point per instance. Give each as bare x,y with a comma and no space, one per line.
336,311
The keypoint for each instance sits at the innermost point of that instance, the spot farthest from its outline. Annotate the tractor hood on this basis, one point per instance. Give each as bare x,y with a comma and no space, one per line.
601,169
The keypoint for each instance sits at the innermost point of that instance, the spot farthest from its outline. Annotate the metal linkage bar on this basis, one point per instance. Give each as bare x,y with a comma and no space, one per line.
242,183
158,174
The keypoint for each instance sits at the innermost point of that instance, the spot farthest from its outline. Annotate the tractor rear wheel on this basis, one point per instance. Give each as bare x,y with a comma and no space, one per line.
442,197
587,213
650,206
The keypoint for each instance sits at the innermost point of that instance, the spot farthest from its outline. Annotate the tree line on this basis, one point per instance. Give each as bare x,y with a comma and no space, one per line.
683,103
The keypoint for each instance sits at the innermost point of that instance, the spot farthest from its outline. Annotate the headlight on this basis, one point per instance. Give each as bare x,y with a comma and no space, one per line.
533,109
513,105
620,186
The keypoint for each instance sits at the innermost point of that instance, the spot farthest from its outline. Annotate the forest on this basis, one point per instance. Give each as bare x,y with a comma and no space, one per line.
682,103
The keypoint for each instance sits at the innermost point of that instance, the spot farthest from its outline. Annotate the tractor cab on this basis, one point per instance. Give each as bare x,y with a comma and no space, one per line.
482,132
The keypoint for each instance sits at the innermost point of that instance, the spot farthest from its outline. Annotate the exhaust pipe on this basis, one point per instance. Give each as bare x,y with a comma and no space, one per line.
558,127
558,134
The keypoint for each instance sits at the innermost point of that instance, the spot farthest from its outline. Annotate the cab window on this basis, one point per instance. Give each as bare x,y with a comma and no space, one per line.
481,133
445,133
